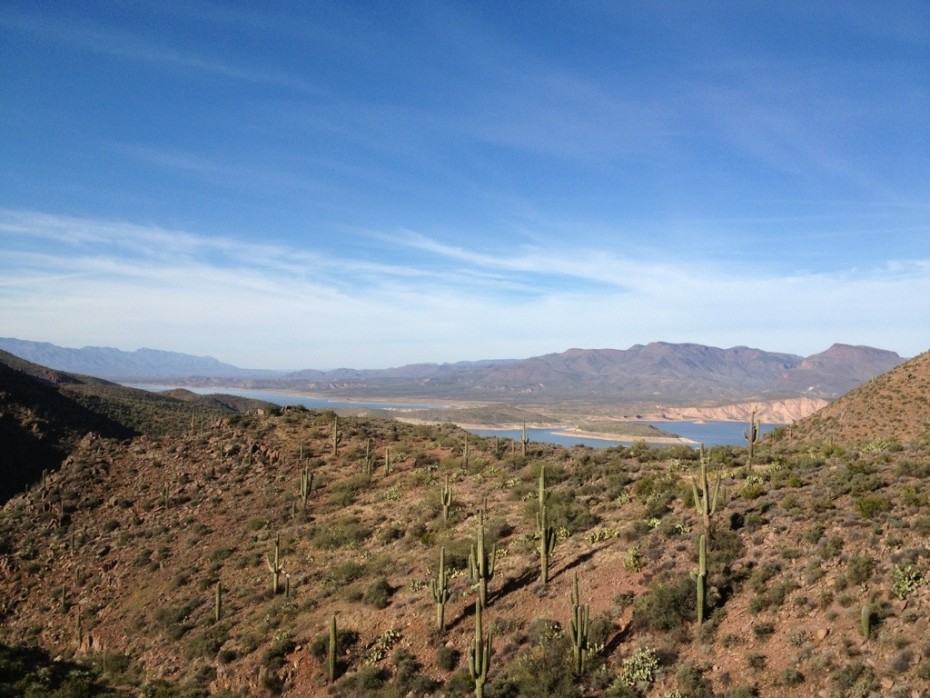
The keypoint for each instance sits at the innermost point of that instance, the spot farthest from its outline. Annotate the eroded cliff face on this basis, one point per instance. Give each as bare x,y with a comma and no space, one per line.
767,411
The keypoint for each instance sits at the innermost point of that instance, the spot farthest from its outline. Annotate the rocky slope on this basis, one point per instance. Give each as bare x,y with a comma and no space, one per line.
815,568
894,406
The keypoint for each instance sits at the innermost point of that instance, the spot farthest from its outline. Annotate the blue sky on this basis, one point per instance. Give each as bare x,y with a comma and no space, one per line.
297,185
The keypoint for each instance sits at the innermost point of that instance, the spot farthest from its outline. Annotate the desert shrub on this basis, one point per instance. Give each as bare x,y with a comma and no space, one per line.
346,572
742,692
447,658
691,682
407,678
566,512
831,547
726,547
667,605
339,533
175,620
369,678
544,669
773,596
658,504
868,505
859,569
378,593
857,678
901,661
207,642
461,684
347,491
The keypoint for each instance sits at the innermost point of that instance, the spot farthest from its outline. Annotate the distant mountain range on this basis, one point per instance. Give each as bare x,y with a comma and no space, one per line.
114,364
658,372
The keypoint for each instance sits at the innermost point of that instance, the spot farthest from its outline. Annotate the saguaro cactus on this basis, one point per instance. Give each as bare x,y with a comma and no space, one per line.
446,499
480,563
524,439
700,580
465,452
306,484
333,649
479,655
336,437
275,567
440,589
369,459
547,536
579,627
865,621
387,460
705,502
218,602
753,435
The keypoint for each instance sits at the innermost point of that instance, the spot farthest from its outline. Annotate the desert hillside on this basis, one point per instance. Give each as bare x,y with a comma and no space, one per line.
816,558
894,406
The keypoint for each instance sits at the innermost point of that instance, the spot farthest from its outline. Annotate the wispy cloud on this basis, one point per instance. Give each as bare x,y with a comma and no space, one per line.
110,41
265,305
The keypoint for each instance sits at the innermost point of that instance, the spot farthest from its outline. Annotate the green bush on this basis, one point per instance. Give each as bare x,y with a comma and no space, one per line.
340,532
871,504
378,593
667,605
859,569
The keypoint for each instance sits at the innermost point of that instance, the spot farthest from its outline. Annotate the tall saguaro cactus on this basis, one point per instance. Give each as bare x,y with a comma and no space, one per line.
440,590
369,459
481,563
445,497
524,439
753,435
275,566
306,485
465,452
579,626
332,650
547,536
705,502
700,580
479,654
336,437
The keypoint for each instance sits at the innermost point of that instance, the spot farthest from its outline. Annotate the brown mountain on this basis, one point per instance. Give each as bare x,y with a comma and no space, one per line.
658,372
894,406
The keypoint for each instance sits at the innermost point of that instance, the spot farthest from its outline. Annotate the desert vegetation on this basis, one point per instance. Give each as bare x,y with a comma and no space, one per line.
294,552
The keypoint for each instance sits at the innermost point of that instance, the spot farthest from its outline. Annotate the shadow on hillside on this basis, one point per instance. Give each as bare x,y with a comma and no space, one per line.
39,427
577,562
515,583
619,638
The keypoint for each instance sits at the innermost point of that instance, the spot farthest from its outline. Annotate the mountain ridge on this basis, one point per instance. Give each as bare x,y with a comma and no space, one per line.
667,372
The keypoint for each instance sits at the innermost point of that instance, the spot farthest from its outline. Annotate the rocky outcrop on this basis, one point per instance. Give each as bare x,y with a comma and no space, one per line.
767,411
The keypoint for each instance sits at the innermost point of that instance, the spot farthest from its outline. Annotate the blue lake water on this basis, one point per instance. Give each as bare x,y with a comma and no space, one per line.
708,433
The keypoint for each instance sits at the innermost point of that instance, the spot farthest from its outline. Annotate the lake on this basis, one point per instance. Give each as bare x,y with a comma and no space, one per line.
708,433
